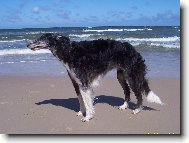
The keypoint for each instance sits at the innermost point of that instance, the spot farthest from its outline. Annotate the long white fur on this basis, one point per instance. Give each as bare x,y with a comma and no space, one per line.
73,75
153,98
88,102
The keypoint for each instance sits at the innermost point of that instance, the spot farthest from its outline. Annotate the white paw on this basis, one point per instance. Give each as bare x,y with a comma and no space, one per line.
85,119
137,110
79,113
124,106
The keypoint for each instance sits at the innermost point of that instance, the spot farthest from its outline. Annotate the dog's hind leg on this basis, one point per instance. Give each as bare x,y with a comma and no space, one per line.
126,89
135,84
81,103
86,94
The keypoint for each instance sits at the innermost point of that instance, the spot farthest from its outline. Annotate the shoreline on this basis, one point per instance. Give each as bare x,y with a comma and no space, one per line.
48,105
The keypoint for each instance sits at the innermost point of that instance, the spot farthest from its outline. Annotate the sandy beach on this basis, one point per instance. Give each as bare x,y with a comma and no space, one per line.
48,105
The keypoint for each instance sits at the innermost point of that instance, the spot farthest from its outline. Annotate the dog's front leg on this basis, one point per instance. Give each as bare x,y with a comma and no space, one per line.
82,110
76,86
86,94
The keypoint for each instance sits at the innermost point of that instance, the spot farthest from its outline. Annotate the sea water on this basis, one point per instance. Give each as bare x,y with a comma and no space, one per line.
159,45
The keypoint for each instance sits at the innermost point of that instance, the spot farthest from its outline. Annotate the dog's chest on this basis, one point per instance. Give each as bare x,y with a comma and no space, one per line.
71,72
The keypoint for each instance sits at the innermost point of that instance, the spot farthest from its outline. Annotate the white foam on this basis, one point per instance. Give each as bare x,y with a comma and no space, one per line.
37,32
174,45
137,29
105,30
11,62
22,52
13,41
163,39
4,37
115,30
83,35
168,42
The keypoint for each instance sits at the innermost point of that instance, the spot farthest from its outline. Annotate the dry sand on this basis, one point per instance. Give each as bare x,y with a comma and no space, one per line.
48,105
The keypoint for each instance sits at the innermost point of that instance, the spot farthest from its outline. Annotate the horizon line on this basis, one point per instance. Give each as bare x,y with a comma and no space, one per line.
87,27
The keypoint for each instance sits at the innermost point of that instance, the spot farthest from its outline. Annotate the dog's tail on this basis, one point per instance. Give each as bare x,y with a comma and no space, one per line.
153,98
150,95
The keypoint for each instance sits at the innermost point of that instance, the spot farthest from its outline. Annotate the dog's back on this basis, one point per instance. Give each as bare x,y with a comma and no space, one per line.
102,51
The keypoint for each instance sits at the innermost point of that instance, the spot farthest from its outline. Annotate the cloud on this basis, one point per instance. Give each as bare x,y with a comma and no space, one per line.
91,19
167,16
134,7
117,16
64,14
159,19
60,3
36,9
163,18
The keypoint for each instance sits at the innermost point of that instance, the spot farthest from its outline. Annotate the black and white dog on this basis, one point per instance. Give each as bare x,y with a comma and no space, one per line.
88,61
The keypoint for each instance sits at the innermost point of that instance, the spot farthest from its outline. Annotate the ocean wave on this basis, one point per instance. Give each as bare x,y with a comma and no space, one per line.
104,30
165,45
163,39
116,30
83,35
24,61
4,37
130,30
167,42
22,52
14,41
37,32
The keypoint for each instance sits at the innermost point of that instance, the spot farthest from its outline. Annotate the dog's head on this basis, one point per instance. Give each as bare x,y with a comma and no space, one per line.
49,41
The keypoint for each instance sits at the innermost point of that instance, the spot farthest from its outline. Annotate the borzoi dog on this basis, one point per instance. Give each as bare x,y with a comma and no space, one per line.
88,61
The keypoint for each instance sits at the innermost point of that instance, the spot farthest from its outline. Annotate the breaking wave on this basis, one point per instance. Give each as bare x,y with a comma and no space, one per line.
22,52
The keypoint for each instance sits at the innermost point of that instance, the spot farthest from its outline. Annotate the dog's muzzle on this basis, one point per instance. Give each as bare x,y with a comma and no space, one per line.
34,46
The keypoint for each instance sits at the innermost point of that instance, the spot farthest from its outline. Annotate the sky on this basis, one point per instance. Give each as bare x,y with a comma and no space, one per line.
76,13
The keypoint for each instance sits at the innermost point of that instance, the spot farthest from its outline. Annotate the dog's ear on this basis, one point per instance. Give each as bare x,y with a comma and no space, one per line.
58,37
63,39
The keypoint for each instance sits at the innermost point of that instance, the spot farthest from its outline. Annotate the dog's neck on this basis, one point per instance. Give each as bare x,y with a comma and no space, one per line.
61,48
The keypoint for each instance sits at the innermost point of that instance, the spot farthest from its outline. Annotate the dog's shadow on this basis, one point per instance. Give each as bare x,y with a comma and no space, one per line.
70,103
73,104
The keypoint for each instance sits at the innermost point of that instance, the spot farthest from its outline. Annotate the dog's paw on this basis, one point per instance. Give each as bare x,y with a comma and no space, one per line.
85,119
79,113
124,106
137,110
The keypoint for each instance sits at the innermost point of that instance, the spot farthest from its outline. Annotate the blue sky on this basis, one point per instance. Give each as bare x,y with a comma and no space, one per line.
60,13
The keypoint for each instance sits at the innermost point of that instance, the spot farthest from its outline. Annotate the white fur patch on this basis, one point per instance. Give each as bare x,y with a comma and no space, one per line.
73,75
137,110
153,98
79,113
88,102
96,82
124,106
